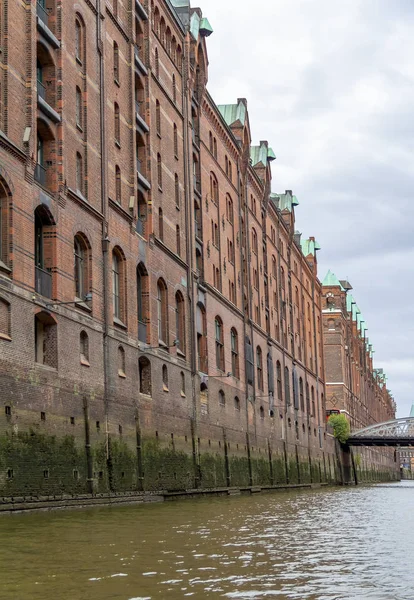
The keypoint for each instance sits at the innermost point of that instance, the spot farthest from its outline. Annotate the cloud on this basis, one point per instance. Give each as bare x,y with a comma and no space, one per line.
330,86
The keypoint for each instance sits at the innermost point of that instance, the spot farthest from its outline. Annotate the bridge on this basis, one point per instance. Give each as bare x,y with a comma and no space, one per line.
399,432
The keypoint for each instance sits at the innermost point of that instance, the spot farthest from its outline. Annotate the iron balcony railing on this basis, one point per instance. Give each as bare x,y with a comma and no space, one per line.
43,282
42,14
41,90
40,174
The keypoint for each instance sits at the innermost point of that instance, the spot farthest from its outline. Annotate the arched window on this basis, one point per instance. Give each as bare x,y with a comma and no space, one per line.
182,377
168,41
179,57
79,41
46,350
274,267
79,108
5,225
279,380
180,322
162,31
144,376
159,171
158,117
229,209
84,347
142,302
118,185
174,49
121,362
254,241
215,148
82,259
219,343
5,329
177,191
226,163
234,339
174,89
45,237
116,62
157,64
162,312
287,386
175,141
236,403
222,398
178,239
214,192
259,368
301,398
262,412
308,411
161,224
165,378
80,187
210,137
157,22
313,414
118,286
201,324
117,123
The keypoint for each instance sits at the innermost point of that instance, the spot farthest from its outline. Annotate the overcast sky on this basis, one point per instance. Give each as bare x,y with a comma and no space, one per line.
330,85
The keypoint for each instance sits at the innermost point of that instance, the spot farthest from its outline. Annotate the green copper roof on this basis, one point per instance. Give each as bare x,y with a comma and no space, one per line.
205,27
331,280
270,154
233,113
180,3
258,154
284,201
195,25
310,247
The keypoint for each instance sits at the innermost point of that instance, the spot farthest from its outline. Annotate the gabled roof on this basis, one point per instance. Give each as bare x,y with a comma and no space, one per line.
233,113
309,247
331,280
261,154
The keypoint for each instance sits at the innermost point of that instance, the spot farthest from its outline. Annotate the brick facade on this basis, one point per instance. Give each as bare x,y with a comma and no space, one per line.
160,322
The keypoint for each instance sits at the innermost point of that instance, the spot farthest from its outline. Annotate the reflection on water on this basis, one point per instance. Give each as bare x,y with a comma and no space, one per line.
312,545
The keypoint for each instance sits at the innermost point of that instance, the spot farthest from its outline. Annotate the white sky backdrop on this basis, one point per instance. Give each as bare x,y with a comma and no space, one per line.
330,85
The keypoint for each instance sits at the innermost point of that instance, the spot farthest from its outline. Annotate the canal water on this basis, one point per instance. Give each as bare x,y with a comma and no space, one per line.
354,543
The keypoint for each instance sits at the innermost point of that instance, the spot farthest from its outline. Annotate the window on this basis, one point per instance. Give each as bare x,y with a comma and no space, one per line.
121,362
177,191
313,414
261,412
274,267
158,117
157,64
118,286
117,118
237,403
5,212
229,209
234,353
142,302
215,148
174,88
165,378
287,386
201,325
144,376
160,224
259,367
279,380
79,41
45,236
79,174
81,267
84,348
222,398
178,239
159,171
46,340
5,332
175,141
254,241
230,251
162,315
180,322
214,192
307,400
79,108
210,140
118,184
182,378
219,343
116,62
301,398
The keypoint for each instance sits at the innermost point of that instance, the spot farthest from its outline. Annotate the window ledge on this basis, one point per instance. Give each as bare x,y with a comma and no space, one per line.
119,323
46,367
165,388
79,127
117,143
121,374
180,353
176,157
183,395
84,362
4,267
116,81
4,336
82,305
162,345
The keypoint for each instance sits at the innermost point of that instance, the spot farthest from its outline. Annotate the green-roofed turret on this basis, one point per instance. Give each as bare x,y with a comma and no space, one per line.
233,113
331,280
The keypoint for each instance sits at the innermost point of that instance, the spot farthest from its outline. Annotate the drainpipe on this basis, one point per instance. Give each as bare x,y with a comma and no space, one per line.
105,239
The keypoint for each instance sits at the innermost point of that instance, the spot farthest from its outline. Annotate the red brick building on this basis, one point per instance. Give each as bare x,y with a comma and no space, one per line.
158,310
